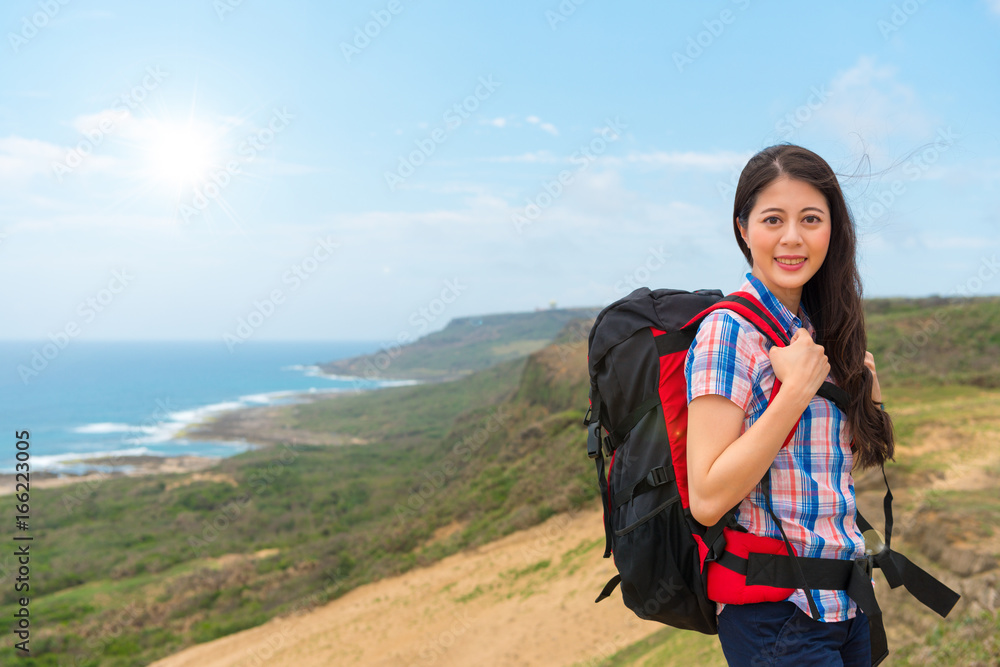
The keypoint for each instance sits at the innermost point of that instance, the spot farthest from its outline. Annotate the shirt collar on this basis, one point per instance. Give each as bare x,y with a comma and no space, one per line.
784,316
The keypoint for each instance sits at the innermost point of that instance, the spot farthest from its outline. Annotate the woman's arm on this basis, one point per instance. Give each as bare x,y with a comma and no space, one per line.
724,466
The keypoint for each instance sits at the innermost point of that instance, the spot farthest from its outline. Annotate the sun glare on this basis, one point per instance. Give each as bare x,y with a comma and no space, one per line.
181,155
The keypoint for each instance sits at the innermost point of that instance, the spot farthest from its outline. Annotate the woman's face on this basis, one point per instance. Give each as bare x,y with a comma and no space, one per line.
788,234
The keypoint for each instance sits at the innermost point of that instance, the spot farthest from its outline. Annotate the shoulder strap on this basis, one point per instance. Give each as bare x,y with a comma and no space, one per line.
750,307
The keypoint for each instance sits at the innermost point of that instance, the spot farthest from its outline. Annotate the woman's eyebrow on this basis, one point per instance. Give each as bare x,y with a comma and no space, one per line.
781,210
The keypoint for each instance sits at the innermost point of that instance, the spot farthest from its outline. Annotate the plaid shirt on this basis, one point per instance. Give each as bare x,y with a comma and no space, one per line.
812,490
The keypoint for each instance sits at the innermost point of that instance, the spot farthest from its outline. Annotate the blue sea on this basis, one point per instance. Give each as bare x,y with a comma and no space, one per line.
94,399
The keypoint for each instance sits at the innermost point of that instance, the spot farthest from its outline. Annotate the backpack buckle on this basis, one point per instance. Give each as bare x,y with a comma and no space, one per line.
594,440
659,476
868,564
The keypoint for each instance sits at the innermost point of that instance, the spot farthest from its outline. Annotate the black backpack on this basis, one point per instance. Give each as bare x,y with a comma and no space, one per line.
637,420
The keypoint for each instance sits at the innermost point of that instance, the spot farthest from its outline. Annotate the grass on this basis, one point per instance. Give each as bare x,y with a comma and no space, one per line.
663,648
498,450
339,516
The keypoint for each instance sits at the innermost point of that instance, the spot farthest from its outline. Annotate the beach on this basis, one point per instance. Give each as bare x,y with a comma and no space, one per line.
131,466
258,426
267,425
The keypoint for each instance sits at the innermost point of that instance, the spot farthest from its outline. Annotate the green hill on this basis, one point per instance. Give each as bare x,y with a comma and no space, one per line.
132,569
465,345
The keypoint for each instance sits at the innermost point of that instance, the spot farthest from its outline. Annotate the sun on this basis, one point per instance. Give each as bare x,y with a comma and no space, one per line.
181,155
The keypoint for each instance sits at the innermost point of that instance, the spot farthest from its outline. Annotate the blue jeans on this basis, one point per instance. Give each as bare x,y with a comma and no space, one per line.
769,634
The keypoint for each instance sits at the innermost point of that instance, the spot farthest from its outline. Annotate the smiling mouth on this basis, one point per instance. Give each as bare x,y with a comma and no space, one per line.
789,261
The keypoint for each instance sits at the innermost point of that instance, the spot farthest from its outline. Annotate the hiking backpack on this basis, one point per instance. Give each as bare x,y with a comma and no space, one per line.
671,569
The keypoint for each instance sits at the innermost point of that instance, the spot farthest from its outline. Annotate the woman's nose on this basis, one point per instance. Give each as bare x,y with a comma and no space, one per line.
792,234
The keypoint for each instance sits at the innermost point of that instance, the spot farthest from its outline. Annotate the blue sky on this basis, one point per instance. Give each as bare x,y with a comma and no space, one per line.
367,171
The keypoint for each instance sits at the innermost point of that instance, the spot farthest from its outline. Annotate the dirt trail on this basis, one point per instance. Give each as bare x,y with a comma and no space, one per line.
527,599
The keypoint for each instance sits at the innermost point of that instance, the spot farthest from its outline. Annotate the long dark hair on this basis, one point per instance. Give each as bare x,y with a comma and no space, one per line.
832,297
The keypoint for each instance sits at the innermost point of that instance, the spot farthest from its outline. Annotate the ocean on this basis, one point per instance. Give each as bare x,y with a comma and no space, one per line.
93,399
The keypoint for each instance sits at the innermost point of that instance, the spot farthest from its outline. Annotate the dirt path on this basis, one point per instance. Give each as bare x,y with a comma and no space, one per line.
527,599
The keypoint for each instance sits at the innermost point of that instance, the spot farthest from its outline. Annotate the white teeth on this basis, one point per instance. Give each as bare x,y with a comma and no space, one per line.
789,261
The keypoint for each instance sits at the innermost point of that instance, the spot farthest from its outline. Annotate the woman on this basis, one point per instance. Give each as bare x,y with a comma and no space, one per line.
794,228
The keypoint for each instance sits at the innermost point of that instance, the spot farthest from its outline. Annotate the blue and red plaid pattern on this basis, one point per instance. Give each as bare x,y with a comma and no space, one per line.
812,490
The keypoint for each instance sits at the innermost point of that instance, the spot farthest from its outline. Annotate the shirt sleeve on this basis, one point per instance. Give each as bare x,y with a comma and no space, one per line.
721,361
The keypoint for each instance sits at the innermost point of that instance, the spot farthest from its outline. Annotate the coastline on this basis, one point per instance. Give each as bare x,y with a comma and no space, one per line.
267,425
258,426
134,466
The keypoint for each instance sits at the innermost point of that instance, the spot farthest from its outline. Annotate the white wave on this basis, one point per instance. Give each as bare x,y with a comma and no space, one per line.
170,427
50,461
102,427
176,422
375,382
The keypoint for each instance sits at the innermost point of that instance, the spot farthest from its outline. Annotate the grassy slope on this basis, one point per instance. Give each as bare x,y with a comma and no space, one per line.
935,341
147,556
465,345
131,569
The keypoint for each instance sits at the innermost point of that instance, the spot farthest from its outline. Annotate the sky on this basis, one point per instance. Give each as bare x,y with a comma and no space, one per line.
236,170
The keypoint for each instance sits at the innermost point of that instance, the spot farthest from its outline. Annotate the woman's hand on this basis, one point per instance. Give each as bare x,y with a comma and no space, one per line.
802,364
876,390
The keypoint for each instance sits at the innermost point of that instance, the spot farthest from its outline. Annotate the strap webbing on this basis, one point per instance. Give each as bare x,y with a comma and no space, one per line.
837,395
919,583
714,534
656,477
609,587
633,418
800,576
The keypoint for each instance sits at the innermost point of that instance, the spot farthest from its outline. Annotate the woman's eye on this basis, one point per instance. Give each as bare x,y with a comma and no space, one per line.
768,220
812,218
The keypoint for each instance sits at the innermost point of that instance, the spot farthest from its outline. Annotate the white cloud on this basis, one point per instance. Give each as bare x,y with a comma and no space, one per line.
530,157
21,158
866,101
550,128
546,127
715,161
104,120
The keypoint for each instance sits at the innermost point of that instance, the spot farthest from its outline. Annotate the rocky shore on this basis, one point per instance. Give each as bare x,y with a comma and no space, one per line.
260,426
